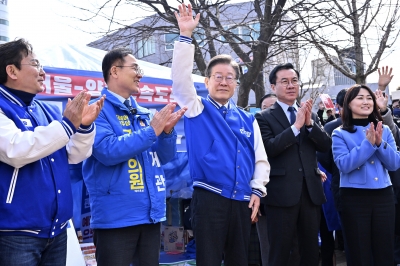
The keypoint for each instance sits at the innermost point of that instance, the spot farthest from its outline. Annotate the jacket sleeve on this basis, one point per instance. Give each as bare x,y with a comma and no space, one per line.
348,160
182,82
387,152
111,149
274,145
166,147
388,120
322,141
18,148
80,145
262,167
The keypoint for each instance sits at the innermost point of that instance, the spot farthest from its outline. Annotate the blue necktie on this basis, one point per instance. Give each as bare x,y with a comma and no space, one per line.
127,103
223,110
292,115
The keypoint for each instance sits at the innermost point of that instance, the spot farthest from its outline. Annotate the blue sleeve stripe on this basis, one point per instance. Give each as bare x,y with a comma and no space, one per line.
86,129
257,192
185,39
68,126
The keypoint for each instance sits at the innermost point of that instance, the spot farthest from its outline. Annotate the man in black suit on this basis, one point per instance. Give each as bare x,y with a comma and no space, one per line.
291,136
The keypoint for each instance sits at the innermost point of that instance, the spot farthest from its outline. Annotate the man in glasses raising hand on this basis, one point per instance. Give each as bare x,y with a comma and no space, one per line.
227,159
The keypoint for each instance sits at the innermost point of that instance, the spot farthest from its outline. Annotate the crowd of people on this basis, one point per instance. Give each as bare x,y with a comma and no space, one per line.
286,169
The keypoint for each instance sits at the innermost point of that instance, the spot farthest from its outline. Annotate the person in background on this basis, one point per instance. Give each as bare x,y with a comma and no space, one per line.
293,204
37,143
124,178
226,195
364,151
267,101
330,115
392,121
320,112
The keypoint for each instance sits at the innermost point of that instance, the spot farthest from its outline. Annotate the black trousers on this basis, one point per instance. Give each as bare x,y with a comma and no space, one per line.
283,222
397,235
368,224
124,246
221,228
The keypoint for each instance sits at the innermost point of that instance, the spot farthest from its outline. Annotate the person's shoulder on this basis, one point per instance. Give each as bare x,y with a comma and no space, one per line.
330,126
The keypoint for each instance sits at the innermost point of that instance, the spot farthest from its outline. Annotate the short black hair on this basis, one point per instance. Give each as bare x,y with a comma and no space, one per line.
12,53
223,59
340,97
116,54
272,75
269,95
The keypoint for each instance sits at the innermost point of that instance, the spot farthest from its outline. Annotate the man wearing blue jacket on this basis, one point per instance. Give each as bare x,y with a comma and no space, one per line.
228,163
124,178
36,144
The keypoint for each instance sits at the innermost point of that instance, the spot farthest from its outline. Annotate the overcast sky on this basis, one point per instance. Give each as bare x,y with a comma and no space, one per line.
51,22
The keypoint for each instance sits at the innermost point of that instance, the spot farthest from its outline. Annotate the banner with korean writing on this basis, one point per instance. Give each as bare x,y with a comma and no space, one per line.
61,84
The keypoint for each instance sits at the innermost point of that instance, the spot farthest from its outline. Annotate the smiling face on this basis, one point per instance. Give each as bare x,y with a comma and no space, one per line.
221,91
29,77
286,94
124,78
362,105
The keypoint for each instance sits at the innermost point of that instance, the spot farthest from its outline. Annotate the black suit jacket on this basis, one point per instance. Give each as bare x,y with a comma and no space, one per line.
291,160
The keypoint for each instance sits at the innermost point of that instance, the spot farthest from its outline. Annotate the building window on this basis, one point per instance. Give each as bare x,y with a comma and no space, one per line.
200,37
170,38
248,33
4,38
3,21
146,47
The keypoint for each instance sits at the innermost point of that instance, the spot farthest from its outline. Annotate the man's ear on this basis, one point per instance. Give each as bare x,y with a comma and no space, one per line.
206,80
273,87
12,71
113,71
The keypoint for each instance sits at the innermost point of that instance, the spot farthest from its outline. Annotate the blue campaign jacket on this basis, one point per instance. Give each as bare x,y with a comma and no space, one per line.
36,199
361,164
124,178
221,151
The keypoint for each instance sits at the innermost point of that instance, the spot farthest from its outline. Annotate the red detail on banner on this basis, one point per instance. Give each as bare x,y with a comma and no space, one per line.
70,86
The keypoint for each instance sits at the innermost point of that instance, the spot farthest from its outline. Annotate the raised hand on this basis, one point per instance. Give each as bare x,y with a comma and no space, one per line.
74,108
370,134
385,76
174,118
381,100
161,118
300,117
308,105
185,20
92,111
378,134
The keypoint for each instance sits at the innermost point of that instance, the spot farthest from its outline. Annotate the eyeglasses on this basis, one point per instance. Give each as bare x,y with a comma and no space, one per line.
220,78
38,66
136,68
285,82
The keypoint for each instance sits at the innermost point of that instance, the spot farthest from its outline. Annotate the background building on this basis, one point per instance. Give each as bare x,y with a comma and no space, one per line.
156,46
4,24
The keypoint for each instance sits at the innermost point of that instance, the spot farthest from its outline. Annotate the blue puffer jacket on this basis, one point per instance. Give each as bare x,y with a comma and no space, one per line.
124,177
